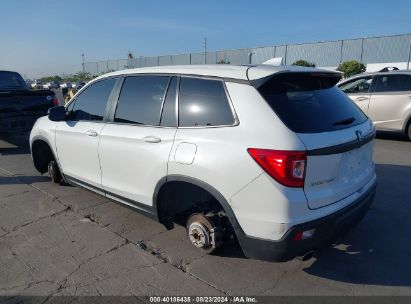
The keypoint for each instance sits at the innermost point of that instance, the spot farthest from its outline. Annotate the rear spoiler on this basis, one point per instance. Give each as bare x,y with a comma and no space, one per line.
271,73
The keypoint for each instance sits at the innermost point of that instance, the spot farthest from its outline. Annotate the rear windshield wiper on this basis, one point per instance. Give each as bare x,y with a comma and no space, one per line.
346,121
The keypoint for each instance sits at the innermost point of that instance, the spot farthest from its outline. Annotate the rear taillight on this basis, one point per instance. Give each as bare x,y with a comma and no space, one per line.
55,101
286,167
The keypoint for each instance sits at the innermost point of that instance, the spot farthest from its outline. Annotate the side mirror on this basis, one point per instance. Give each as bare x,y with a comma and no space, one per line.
57,113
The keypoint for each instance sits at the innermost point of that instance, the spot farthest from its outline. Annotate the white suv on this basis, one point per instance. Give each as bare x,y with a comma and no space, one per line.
277,156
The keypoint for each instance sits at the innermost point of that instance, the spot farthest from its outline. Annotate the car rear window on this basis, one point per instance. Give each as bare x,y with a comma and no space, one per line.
11,81
310,103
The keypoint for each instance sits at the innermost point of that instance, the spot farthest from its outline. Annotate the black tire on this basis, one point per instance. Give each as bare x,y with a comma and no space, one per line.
409,130
54,172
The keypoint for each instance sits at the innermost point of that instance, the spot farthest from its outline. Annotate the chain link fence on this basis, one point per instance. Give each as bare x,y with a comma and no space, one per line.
326,54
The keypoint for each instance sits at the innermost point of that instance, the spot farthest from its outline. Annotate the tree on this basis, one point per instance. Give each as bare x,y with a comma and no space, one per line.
351,67
51,78
304,63
82,76
223,61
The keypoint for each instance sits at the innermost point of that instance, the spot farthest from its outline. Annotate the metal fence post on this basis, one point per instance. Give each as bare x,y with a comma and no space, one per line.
341,54
205,50
362,49
190,58
409,55
285,54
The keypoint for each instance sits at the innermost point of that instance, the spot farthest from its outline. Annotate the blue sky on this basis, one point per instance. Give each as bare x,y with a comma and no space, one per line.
40,38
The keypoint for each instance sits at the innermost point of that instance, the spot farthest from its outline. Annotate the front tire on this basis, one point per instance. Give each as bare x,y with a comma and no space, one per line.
54,172
409,131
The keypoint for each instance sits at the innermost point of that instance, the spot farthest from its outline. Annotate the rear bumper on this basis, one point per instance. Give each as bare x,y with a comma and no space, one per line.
327,229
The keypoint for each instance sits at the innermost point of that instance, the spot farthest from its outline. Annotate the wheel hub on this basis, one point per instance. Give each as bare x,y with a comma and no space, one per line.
198,235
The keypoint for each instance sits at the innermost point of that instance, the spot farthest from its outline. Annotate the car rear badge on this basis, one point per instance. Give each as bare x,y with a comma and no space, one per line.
360,136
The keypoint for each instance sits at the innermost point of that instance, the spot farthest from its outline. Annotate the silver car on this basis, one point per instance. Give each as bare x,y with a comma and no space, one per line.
385,97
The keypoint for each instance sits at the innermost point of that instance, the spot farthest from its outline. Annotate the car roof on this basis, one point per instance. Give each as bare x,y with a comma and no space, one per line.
393,72
239,72
9,71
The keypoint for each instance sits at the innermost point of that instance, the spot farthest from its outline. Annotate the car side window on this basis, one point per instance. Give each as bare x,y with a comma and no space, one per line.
91,104
203,102
141,100
393,83
359,85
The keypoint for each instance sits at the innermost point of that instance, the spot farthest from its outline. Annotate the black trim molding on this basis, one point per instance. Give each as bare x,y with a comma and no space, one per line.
341,148
144,209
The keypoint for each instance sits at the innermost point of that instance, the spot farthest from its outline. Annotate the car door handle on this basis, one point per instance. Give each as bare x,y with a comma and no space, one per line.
361,98
152,139
91,133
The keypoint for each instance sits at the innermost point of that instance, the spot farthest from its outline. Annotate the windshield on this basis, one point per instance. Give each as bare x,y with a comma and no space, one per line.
307,103
11,81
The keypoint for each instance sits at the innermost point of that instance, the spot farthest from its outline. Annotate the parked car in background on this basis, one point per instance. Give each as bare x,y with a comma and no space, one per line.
37,85
66,85
28,83
78,85
385,97
19,106
51,85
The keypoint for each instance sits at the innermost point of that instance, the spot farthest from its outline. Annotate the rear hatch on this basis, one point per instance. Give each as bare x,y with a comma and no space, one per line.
339,163
337,134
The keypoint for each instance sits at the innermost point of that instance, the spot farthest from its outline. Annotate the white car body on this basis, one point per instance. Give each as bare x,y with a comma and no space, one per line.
130,163
385,97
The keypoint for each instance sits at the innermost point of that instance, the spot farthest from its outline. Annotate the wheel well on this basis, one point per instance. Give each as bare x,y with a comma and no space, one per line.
177,200
42,155
407,124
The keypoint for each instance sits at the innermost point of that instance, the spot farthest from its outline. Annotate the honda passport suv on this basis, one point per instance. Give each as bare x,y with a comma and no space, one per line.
277,157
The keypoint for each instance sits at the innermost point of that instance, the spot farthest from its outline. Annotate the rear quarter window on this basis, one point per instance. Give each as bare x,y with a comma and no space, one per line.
309,103
203,102
11,80
393,83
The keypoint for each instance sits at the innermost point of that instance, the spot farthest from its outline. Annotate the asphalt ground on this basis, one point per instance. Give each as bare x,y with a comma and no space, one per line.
62,240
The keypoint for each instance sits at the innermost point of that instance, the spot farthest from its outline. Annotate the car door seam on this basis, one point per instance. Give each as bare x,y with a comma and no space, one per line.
98,156
169,153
